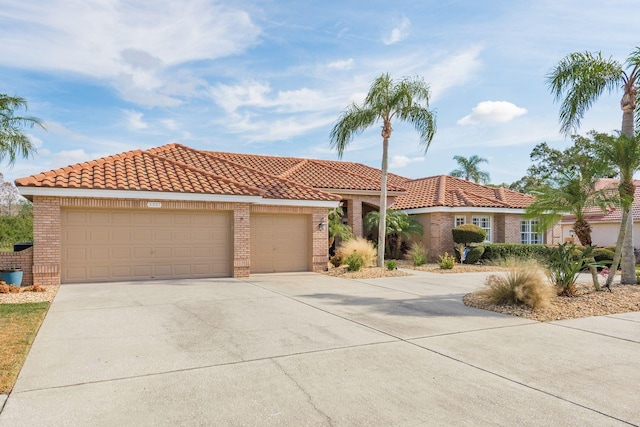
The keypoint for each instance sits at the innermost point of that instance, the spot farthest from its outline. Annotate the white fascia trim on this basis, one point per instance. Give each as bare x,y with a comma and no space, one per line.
133,194
361,192
305,203
417,211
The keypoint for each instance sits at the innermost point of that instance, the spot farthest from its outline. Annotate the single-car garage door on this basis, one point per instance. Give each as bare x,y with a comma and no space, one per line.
112,245
280,243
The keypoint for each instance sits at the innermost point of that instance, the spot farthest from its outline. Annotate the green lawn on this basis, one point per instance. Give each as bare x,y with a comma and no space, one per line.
19,324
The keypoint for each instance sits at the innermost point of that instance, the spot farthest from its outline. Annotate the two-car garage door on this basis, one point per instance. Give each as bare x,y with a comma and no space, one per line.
112,245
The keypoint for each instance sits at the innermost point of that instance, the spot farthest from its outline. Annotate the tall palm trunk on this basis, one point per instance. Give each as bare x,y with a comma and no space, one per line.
618,253
382,227
628,265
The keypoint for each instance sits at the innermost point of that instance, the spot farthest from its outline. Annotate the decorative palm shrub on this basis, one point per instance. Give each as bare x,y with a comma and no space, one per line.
524,283
360,246
565,262
336,260
418,255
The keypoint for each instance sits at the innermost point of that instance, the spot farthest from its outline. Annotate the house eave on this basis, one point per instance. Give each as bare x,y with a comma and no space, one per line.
462,209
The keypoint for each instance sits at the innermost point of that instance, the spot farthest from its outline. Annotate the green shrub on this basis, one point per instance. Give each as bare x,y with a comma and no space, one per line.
391,265
360,246
501,251
336,260
473,254
446,261
602,255
354,262
468,233
524,283
564,266
418,255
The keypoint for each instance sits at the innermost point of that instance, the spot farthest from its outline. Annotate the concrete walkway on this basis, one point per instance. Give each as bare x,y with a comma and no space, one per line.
307,349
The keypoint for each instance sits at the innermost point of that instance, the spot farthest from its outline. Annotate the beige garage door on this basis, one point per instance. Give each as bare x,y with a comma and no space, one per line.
280,243
111,245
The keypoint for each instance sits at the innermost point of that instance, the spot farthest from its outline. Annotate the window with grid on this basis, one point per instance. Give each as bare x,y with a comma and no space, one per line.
527,232
460,220
483,222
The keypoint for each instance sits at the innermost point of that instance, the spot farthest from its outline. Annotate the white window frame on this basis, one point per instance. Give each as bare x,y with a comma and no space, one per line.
484,222
459,220
527,234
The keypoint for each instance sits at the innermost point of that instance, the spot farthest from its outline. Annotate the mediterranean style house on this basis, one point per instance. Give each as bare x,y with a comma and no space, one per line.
177,212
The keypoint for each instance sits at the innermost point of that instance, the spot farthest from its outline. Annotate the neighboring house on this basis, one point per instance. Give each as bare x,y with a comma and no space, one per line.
176,212
605,225
442,202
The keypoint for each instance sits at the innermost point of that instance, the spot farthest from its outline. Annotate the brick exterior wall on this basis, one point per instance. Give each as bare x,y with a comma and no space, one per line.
46,240
512,228
22,259
46,230
440,237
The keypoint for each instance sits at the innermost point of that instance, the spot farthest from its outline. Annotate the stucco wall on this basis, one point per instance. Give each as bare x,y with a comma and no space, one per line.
604,234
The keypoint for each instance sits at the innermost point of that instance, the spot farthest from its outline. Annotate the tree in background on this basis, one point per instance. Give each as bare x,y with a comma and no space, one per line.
16,216
549,164
469,170
577,82
406,100
13,141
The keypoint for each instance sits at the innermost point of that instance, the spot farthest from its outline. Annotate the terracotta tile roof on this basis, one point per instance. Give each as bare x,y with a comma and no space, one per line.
444,190
139,170
613,213
327,174
274,187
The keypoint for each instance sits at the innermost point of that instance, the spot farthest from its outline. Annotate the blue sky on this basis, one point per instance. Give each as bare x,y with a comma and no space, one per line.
271,77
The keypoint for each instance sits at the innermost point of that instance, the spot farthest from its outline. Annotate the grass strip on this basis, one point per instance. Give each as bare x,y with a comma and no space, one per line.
19,324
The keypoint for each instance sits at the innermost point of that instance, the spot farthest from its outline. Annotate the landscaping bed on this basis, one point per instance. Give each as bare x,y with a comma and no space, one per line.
25,295
587,302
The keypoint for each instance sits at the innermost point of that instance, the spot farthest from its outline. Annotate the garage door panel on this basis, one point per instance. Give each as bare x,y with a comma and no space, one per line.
135,245
280,243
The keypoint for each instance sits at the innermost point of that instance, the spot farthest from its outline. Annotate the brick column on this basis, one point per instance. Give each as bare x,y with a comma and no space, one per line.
354,216
46,240
241,240
320,254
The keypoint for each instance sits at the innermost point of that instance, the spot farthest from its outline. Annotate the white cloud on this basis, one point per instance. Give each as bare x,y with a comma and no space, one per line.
399,32
402,161
169,124
70,157
254,94
345,64
134,120
453,70
492,112
134,47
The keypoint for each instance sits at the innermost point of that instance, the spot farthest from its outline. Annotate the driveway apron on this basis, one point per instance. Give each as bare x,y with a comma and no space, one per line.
309,349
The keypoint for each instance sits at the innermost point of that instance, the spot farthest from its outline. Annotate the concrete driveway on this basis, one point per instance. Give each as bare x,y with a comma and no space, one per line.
307,349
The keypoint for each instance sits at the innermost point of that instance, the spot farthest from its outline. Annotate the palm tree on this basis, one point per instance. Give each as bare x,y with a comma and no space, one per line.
386,101
336,227
468,169
13,140
577,81
572,192
400,228
624,152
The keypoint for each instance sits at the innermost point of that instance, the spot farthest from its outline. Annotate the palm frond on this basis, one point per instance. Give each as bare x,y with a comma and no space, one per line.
578,80
423,121
353,121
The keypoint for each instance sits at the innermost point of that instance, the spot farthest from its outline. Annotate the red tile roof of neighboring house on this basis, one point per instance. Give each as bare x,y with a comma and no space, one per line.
142,171
613,213
444,190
